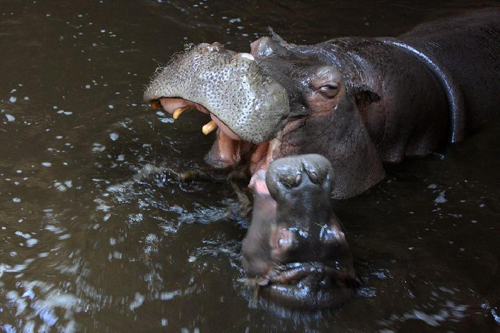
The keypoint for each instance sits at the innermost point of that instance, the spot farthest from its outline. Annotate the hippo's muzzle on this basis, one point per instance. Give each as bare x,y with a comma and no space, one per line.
295,250
241,100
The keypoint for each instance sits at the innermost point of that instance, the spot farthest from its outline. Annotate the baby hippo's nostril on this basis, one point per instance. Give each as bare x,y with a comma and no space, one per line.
291,180
298,179
313,177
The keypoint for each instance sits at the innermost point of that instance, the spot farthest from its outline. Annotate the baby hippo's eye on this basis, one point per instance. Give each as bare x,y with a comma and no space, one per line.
329,90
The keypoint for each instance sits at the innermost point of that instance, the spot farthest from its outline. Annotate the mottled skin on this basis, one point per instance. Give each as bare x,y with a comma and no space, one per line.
228,84
359,102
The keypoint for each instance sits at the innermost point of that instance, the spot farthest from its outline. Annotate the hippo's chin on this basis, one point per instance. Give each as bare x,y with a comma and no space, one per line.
308,286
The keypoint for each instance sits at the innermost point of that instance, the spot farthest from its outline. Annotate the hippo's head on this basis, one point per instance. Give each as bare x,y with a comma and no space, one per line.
281,100
295,249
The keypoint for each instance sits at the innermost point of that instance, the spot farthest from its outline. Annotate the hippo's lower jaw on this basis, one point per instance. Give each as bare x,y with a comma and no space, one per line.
311,286
228,149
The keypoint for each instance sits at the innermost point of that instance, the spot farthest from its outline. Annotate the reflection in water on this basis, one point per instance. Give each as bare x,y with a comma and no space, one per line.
95,237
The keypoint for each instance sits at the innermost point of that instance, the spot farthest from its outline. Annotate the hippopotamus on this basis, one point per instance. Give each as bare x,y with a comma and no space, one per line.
359,102
296,246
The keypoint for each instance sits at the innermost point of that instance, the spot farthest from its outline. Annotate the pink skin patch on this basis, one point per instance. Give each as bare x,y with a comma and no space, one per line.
226,149
171,104
258,183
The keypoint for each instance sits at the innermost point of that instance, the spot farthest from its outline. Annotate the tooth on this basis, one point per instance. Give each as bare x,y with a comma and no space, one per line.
209,127
177,112
155,105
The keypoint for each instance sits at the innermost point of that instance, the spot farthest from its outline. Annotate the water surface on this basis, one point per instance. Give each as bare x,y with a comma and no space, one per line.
90,241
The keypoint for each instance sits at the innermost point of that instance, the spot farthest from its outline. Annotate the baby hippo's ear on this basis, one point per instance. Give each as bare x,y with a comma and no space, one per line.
364,95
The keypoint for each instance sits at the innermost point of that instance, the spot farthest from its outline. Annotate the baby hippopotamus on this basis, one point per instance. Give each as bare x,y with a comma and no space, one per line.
295,245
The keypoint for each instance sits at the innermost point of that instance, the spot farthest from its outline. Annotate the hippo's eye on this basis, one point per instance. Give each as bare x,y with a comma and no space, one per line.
329,90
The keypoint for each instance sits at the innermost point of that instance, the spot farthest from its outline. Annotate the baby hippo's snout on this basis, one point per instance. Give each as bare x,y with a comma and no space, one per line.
309,230
295,243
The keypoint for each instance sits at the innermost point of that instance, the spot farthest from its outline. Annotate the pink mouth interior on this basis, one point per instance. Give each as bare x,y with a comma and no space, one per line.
228,149
171,104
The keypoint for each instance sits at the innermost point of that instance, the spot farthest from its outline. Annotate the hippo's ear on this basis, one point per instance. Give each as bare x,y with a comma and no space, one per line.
277,38
364,95
266,46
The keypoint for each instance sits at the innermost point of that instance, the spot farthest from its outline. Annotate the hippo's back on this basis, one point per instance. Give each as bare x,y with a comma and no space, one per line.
468,48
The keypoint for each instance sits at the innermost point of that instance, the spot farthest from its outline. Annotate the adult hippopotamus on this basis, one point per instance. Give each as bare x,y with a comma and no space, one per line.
357,101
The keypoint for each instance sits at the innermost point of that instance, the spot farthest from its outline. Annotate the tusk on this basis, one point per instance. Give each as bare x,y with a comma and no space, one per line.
155,105
177,112
209,127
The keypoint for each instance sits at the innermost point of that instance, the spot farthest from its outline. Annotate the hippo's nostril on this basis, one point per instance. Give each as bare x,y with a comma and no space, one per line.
313,177
215,47
298,179
291,180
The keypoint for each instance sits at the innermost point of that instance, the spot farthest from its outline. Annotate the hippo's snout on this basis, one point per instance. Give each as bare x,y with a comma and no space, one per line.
295,247
243,101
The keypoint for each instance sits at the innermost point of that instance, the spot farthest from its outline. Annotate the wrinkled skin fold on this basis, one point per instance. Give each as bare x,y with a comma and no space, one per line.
359,102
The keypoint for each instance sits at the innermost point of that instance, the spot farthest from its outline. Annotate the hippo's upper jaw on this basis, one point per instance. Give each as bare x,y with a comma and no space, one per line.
247,106
295,250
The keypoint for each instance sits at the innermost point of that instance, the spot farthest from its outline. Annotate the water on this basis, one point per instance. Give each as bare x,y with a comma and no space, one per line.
91,241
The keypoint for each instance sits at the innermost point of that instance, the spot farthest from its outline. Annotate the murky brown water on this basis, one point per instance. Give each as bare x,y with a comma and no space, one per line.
86,247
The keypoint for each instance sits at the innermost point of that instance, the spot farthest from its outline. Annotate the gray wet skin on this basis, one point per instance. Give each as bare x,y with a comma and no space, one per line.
295,246
364,101
230,85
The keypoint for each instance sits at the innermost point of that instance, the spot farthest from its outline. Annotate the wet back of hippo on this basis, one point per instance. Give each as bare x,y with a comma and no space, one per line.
465,53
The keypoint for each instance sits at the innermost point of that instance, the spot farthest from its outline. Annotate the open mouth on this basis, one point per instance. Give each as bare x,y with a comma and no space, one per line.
247,107
229,149
312,285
